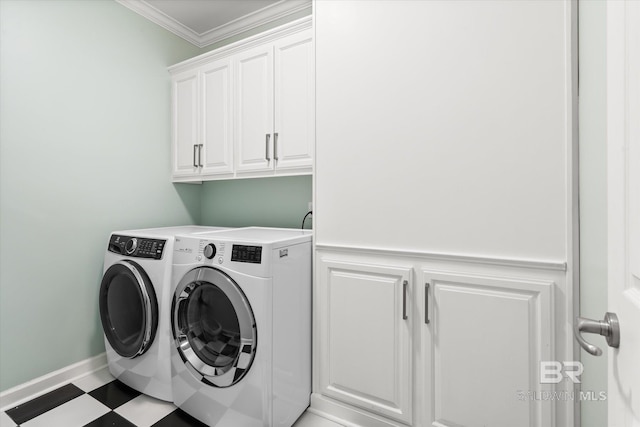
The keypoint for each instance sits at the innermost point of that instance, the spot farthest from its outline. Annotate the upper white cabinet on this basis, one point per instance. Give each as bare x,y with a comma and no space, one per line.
186,141
202,120
275,115
216,138
246,110
294,102
254,114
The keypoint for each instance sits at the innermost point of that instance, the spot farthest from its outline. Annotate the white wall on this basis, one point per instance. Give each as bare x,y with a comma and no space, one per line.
449,133
84,150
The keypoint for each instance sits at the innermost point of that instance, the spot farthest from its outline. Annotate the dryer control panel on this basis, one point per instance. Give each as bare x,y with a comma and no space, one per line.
243,253
137,247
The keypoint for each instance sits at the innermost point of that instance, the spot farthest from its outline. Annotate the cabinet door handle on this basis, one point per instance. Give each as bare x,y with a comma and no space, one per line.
275,146
195,165
405,284
426,303
266,152
200,155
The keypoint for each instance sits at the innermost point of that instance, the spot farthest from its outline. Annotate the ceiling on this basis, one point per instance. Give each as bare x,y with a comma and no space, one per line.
204,22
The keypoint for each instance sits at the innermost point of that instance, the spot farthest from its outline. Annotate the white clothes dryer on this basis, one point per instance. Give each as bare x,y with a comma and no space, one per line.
241,323
134,303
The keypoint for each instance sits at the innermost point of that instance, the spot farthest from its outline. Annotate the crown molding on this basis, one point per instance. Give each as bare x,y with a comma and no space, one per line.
263,37
255,19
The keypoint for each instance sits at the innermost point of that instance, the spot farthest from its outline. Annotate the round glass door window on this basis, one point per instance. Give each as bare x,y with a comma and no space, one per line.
128,309
214,327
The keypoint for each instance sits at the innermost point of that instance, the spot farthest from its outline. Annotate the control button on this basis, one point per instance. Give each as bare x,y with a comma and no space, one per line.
220,260
210,251
131,246
199,258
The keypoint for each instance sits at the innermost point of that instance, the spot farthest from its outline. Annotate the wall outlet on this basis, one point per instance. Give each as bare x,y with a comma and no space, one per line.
310,208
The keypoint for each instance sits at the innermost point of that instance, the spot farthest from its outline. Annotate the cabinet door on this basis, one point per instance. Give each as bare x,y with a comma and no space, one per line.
365,336
294,101
482,350
184,115
254,109
217,114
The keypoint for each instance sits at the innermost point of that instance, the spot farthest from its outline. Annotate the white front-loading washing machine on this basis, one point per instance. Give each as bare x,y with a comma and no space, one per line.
241,323
134,302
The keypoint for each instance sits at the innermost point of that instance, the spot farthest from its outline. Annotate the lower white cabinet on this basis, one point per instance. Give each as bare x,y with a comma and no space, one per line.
365,331
482,348
406,343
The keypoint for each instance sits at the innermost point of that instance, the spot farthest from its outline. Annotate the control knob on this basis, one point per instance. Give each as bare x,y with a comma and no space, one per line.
210,251
131,246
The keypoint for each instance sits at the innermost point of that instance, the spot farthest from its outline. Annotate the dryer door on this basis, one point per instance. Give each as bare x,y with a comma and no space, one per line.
213,326
128,308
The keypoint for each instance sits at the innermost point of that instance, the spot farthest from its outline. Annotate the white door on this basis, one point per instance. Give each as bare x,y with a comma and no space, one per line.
184,115
472,371
366,329
217,142
623,142
254,113
294,101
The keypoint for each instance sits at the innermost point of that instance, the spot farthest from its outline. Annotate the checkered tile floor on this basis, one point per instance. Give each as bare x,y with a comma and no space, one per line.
97,400
94,401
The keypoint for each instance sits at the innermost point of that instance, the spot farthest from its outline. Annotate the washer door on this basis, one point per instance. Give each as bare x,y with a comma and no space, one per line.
213,326
128,308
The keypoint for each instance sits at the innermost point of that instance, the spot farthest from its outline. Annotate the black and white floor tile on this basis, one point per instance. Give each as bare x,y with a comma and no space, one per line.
98,400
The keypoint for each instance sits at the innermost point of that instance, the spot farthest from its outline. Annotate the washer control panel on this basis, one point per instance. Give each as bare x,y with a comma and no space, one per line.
137,247
242,253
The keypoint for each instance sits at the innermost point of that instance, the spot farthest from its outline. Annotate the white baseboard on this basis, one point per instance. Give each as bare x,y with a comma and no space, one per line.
347,415
23,392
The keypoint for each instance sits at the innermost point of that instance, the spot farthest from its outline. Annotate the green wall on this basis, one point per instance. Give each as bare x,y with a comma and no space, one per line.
84,150
269,202
593,196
